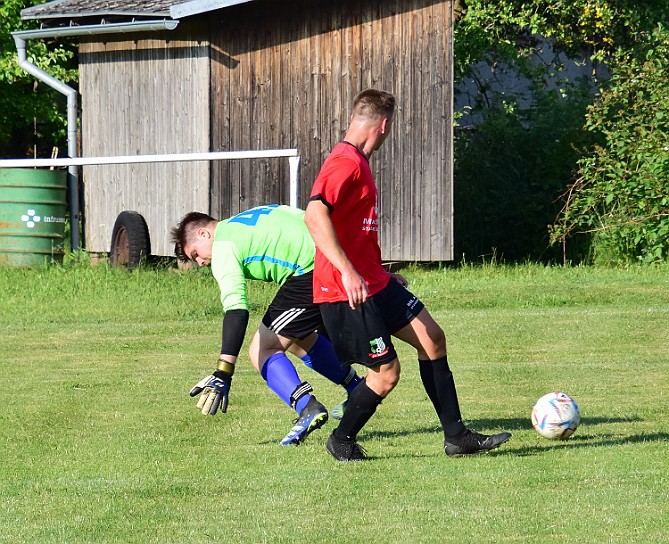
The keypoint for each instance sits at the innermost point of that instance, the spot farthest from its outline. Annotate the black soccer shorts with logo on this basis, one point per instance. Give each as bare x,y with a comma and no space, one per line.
364,335
293,313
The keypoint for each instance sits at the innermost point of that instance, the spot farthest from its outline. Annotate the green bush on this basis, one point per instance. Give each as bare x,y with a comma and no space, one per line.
621,196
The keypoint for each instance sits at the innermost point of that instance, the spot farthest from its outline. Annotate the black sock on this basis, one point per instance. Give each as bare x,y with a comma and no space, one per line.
361,406
440,387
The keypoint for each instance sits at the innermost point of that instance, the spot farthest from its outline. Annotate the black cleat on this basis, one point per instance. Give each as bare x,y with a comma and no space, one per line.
345,450
470,442
313,416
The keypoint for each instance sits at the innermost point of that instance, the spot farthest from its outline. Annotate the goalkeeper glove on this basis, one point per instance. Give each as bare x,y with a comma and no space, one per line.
215,389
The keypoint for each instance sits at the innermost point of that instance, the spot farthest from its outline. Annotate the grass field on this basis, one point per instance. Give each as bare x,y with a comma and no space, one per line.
100,442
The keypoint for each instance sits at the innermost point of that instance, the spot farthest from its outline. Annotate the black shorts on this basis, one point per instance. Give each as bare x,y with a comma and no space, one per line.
292,313
363,335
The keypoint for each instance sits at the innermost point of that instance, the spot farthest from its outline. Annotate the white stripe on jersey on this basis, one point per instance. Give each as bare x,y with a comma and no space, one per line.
285,318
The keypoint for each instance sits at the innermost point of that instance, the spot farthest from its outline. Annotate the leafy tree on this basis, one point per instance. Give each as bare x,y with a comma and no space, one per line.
502,29
511,169
621,196
32,115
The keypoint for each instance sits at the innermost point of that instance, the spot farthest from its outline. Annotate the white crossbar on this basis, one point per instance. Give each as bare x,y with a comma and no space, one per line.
128,159
293,157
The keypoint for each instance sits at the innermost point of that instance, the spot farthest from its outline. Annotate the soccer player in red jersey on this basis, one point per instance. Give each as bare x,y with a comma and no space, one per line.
363,306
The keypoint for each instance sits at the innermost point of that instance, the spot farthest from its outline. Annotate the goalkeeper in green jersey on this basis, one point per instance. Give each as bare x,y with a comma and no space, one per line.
272,244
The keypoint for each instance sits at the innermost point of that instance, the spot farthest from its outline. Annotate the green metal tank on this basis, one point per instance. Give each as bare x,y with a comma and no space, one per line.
32,216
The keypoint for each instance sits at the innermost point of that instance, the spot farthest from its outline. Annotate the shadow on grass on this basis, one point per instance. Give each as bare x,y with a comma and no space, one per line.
580,440
508,449
588,441
519,423
496,425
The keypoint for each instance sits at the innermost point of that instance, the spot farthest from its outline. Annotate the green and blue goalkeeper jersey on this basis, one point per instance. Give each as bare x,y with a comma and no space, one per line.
267,243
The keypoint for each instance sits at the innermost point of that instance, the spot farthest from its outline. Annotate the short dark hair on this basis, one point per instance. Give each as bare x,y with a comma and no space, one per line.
374,103
185,229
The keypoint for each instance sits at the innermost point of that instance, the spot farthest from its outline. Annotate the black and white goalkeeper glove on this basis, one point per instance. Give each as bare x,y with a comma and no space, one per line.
214,389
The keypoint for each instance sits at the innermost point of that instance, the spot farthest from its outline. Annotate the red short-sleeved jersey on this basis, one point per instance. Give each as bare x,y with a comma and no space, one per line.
345,184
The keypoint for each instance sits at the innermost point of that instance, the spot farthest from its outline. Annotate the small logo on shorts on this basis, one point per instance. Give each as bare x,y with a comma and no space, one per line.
412,303
377,348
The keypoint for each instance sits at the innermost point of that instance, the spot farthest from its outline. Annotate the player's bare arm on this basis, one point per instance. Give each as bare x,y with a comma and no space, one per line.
322,230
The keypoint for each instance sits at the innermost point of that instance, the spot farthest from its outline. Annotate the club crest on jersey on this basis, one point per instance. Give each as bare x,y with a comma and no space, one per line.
377,348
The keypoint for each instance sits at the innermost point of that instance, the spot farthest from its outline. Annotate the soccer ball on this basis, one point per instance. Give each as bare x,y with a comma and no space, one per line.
556,416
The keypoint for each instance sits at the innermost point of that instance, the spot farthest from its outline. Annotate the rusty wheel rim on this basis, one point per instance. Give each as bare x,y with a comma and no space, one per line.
121,251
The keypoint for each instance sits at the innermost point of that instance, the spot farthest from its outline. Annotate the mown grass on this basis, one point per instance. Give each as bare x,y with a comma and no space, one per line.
100,441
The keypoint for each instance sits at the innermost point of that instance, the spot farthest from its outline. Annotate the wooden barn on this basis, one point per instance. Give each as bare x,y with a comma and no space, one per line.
261,74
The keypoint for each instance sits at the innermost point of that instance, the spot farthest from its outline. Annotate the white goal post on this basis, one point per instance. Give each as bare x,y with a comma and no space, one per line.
291,154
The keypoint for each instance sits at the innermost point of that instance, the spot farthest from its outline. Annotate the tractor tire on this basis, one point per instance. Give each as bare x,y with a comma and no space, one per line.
130,243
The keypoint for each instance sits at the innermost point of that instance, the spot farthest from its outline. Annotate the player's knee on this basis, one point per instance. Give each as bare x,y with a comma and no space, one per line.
254,352
385,379
254,357
437,337
435,346
392,381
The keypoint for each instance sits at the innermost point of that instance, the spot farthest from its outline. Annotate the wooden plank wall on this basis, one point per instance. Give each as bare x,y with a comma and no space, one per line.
284,74
148,95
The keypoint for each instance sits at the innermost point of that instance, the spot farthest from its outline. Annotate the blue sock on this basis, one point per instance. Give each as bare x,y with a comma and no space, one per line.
323,359
282,378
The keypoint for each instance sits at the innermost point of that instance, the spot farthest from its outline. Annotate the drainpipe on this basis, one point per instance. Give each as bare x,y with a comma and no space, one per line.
21,38
72,171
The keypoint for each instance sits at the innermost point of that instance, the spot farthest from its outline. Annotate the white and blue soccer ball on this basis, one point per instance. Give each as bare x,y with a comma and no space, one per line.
556,416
